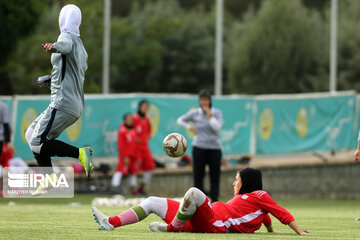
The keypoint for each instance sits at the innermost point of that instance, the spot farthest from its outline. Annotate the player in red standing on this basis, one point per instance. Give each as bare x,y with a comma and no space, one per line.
127,156
142,128
244,213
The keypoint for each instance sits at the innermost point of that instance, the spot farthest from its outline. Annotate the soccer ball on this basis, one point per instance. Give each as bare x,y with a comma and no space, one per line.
174,145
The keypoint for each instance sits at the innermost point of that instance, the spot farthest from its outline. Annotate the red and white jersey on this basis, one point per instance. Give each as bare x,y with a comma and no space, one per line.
5,156
126,142
142,127
246,212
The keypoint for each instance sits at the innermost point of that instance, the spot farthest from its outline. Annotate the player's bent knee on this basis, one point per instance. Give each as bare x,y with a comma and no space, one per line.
146,204
35,149
155,205
197,196
151,200
193,189
28,134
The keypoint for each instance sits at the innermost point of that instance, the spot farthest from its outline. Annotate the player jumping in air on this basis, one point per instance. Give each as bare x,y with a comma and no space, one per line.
69,61
245,213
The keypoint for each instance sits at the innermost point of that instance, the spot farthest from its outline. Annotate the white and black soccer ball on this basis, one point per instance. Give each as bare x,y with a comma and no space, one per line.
174,145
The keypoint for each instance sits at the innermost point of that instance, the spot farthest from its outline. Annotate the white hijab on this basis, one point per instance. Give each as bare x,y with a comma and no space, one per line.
70,19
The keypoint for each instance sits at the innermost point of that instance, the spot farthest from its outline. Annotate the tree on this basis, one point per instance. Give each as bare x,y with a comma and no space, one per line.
29,61
161,48
348,45
283,50
19,19
168,46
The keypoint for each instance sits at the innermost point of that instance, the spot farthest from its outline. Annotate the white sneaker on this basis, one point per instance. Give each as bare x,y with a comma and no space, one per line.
158,227
102,220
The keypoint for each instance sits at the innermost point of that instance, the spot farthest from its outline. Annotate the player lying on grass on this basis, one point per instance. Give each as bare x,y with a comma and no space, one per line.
245,213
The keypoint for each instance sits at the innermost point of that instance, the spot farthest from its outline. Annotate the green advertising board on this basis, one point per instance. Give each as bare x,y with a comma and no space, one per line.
356,125
102,116
28,108
235,132
258,125
301,124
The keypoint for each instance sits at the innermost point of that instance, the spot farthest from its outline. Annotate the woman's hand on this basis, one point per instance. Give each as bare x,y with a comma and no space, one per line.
297,229
192,129
206,109
48,46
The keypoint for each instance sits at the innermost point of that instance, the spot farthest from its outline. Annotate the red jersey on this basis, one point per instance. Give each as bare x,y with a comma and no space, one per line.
5,157
142,128
126,142
245,213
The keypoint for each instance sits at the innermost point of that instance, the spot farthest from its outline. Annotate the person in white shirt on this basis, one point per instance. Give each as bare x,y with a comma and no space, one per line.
207,122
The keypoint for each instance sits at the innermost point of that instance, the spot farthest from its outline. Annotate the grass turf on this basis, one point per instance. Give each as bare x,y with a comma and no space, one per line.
56,219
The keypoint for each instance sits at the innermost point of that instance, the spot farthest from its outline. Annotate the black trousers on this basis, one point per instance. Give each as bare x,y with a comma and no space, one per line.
201,158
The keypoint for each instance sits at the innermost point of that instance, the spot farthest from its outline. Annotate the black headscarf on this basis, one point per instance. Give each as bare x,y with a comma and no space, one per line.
139,106
251,180
125,116
205,93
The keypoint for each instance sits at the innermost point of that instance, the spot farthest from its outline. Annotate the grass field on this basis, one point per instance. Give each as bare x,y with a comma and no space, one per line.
56,219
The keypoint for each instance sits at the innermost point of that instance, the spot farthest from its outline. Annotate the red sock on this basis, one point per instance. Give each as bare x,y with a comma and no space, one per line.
115,221
171,228
125,218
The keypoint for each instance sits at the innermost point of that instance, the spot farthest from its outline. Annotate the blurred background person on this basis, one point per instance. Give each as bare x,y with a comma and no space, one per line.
7,159
206,144
127,164
142,128
5,129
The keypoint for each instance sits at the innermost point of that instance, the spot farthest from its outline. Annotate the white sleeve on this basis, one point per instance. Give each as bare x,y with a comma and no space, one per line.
63,44
216,121
184,119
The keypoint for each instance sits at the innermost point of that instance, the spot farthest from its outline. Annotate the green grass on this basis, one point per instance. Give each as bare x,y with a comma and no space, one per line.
56,219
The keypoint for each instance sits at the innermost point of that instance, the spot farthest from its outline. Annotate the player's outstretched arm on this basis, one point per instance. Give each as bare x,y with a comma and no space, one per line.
63,45
293,225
